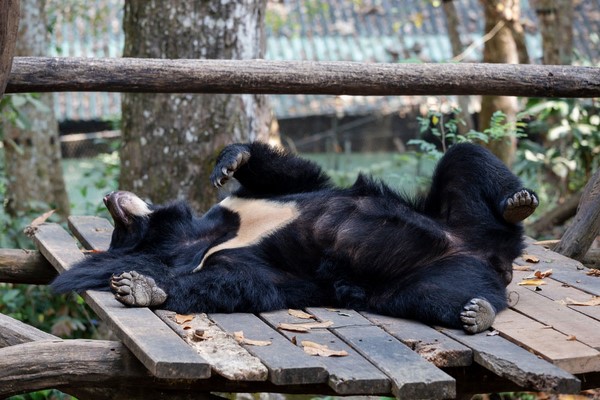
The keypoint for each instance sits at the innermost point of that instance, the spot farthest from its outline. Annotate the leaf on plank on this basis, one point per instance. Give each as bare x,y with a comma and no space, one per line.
595,301
183,318
517,267
304,326
31,229
315,349
300,314
530,258
531,282
239,337
593,272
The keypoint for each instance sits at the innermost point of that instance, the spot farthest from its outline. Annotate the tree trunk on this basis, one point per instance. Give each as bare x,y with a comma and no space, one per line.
501,48
9,24
32,155
170,141
452,23
556,20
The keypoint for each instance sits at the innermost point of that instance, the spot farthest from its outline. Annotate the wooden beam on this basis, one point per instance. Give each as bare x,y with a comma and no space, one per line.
44,74
9,26
45,364
13,332
25,266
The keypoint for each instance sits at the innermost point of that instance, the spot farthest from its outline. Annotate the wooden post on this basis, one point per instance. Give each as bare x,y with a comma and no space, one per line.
585,227
9,25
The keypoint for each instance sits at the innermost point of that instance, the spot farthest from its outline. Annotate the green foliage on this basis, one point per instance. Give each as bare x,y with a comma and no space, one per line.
43,395
565,152
445,130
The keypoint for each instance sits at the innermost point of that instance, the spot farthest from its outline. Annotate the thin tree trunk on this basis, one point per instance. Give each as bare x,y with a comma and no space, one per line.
452,23
556,26
32,155
501,48
171,140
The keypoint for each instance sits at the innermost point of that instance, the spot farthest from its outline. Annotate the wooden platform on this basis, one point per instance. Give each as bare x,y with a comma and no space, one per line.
539,344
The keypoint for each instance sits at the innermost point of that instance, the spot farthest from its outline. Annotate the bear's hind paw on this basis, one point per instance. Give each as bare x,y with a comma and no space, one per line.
136,290
477,315
520,206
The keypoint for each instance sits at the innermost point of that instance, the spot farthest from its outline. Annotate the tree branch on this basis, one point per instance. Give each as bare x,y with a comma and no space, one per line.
41,74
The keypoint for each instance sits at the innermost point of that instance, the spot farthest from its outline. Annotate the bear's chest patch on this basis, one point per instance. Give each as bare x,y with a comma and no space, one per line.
258,218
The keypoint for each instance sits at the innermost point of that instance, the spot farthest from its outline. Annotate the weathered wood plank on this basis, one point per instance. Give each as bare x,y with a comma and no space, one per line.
565,270
164,353
558,291
13,332
351,374
287,364
43,74
516,364
411,375
46,364
558,348
225,355
25,266
560,317
429,343
94,233
9,26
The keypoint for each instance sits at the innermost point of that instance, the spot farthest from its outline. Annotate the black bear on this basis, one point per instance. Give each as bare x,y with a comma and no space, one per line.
287,238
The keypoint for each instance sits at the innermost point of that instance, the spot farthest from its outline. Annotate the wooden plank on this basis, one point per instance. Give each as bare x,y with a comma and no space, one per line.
411,375
429,343
287,364
560,317
164,353
351,374
559,291
14,332
516,364
558,348
564,269
94,233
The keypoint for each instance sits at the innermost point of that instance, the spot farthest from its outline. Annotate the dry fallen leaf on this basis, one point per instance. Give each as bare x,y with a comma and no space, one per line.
315,349
41,219
300,314
542,275
593,272
595,301
183,318
517,267
239,337
547,243
531,282
493,333
304,326
530,258
571,338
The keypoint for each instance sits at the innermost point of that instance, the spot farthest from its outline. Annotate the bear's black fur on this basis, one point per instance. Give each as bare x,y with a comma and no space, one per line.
288,239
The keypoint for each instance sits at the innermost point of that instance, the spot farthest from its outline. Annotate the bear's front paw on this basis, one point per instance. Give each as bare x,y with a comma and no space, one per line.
477,315
136,290
229,161
520,206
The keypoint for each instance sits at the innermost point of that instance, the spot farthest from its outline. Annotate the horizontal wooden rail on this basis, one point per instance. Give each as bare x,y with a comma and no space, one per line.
41,74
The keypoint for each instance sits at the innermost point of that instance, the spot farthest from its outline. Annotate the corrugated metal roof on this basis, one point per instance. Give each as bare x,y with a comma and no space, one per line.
321,30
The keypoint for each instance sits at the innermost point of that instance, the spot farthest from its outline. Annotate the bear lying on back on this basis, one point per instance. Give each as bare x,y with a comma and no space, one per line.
287,238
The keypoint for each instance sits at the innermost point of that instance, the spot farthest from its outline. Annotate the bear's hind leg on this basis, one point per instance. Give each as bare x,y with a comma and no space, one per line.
137,290
519,206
